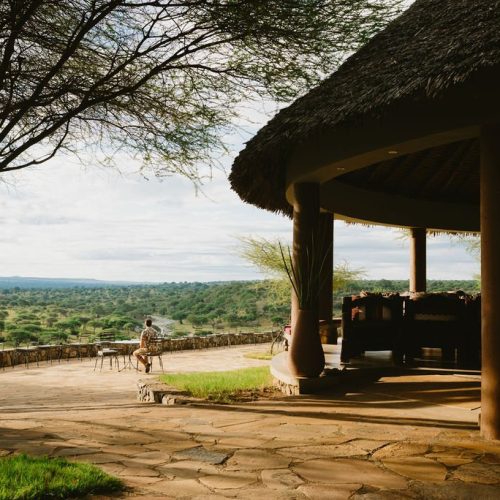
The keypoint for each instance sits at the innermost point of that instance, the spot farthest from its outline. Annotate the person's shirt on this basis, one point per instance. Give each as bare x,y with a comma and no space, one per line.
147,334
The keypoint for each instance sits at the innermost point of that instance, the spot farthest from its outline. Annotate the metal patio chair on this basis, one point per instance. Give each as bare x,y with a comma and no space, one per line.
155,350
83,346
106,349
30,352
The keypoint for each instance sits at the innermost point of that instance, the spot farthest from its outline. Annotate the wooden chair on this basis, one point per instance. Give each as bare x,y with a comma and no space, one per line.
372,323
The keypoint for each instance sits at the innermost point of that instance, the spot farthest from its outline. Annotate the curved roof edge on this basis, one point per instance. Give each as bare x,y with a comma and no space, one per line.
434,46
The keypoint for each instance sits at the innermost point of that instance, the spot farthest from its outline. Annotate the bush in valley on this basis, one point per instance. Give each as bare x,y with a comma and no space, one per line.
53,314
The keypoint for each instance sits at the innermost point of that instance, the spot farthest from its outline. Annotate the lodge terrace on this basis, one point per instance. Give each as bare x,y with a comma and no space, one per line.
405,133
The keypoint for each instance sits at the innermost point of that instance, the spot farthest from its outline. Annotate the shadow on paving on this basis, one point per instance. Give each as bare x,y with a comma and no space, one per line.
69,407
320,410
364,400
41,442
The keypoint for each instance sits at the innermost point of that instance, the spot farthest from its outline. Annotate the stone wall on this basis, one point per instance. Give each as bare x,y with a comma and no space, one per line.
157,392
215,340
55,353
286,388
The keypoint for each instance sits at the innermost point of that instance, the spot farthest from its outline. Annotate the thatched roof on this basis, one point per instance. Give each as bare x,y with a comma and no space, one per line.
455,181
432,47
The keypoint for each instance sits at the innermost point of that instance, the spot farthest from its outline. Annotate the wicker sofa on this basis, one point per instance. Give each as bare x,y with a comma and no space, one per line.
436,320
372,322
407,325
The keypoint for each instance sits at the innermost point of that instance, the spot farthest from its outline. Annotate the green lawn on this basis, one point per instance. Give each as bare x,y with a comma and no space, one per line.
220,386
259,355
25,478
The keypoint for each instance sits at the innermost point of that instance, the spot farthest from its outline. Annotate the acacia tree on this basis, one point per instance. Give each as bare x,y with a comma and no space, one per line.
472,244
267,256
159,80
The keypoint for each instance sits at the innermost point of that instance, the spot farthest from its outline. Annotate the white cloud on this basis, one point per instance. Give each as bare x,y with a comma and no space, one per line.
65,221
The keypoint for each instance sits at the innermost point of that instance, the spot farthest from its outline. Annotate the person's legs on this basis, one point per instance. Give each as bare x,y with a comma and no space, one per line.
140,354
142,359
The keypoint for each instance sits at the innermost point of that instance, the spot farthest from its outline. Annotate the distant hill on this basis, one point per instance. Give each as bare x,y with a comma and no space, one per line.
10,282
26,282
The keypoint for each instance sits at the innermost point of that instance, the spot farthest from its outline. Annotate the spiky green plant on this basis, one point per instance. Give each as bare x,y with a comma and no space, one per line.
306,276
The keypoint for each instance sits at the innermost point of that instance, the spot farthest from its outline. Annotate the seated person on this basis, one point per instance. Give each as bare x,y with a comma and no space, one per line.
147,335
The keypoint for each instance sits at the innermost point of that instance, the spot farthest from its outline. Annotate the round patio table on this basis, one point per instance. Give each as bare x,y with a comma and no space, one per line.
133,342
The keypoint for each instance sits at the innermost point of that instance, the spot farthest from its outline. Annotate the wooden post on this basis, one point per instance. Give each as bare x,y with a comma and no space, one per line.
490,281
418,260
306,358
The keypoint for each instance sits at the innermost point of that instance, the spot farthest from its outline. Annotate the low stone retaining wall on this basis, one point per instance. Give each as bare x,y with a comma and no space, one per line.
291,385
11,357
215,340
157,392
42,354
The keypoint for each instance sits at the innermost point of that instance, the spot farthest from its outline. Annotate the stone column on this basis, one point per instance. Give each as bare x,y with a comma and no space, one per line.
293,309
327,328
326,250
418,260
306,356
490,281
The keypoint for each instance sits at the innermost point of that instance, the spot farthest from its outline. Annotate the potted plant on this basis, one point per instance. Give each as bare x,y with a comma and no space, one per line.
305,356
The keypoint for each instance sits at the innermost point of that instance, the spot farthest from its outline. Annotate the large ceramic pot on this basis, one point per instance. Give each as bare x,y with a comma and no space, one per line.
305,356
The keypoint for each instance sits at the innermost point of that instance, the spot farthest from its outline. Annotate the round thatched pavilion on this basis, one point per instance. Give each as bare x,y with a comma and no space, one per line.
405,133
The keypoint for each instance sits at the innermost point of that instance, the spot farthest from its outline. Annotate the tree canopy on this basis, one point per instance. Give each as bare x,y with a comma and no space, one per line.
47,314
160,80
267,256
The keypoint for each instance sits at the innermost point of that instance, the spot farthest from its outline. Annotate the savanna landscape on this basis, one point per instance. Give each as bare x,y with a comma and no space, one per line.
66,313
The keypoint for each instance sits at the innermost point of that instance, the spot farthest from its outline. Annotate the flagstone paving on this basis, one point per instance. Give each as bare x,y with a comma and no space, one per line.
412,436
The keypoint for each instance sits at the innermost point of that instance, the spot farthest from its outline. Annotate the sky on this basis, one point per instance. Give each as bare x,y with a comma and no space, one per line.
63,220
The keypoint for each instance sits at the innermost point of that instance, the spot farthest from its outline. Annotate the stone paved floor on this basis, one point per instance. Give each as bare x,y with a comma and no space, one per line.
400,437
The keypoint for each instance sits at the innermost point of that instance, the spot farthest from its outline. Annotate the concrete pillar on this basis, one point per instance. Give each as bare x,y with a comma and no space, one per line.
326,285
305,226
418,260
490,281
293,309
306,358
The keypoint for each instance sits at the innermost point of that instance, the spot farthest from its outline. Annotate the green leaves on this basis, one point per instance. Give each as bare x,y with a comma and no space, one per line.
306,274
273,258
162,82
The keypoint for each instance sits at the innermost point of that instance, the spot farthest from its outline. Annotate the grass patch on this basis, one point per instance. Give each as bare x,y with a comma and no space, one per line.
259,355
25,478
222,387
